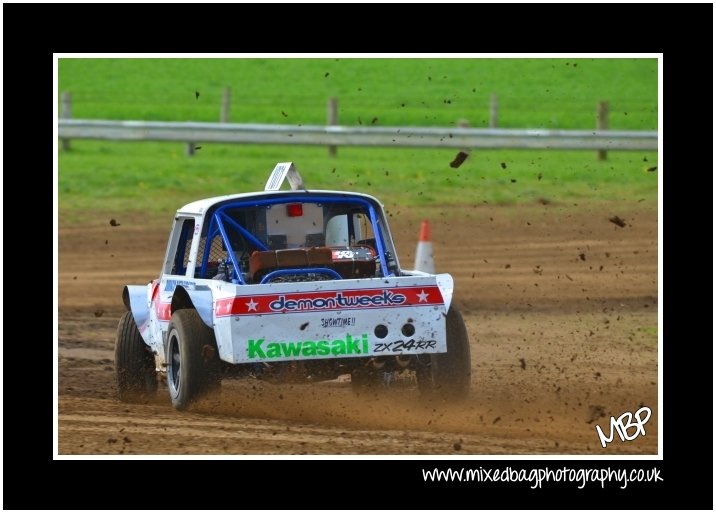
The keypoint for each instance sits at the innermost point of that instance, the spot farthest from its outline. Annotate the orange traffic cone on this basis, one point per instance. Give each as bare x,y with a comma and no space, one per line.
424,252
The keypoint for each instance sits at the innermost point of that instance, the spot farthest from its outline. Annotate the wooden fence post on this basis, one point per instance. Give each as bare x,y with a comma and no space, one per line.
225,105
602,124
464,123
494,109
331,120
66,113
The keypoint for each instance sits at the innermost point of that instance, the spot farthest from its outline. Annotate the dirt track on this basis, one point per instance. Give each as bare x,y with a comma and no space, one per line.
560,342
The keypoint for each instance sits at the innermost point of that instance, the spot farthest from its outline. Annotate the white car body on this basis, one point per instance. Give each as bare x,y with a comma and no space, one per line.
392,313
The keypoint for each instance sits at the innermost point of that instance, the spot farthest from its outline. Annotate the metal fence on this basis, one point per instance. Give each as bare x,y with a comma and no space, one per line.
426,137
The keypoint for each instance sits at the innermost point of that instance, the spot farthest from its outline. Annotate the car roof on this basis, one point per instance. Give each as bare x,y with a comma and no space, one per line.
200,207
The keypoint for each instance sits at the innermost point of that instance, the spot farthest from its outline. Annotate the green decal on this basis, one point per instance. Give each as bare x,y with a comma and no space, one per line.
255,349
339,347
273,350
307,348
351,345
291,348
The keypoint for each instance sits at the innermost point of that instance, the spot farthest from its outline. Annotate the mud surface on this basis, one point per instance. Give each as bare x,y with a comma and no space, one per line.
560,305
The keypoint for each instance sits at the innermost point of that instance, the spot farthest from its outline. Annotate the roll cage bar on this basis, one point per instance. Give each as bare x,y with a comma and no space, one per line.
220,218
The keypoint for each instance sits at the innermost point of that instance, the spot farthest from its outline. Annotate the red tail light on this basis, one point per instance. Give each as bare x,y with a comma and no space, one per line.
294,209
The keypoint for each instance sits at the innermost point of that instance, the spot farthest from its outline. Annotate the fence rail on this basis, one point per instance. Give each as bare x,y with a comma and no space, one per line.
427,137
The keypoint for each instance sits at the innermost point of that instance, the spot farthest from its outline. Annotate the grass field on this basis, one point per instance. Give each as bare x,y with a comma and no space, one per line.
533,93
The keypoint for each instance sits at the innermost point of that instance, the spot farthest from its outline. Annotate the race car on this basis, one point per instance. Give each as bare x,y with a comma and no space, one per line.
285,283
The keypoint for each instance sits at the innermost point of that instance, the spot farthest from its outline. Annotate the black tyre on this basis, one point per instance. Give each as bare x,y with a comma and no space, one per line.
134,363
192,359
447,375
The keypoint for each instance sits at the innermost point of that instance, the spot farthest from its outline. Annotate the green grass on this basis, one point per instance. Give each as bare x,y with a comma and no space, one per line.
548,93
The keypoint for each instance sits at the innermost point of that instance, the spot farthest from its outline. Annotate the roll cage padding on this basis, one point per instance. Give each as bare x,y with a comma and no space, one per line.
263,262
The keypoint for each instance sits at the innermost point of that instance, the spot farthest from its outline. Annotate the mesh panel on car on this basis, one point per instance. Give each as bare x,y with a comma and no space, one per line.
216,253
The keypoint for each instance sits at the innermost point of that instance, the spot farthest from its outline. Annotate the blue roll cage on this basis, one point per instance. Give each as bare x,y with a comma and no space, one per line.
219,217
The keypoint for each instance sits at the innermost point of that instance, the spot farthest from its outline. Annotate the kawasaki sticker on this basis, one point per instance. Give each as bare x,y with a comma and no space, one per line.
259,348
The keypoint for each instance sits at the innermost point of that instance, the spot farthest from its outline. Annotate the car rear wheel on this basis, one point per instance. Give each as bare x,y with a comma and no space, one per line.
447,375
192,359
134,363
